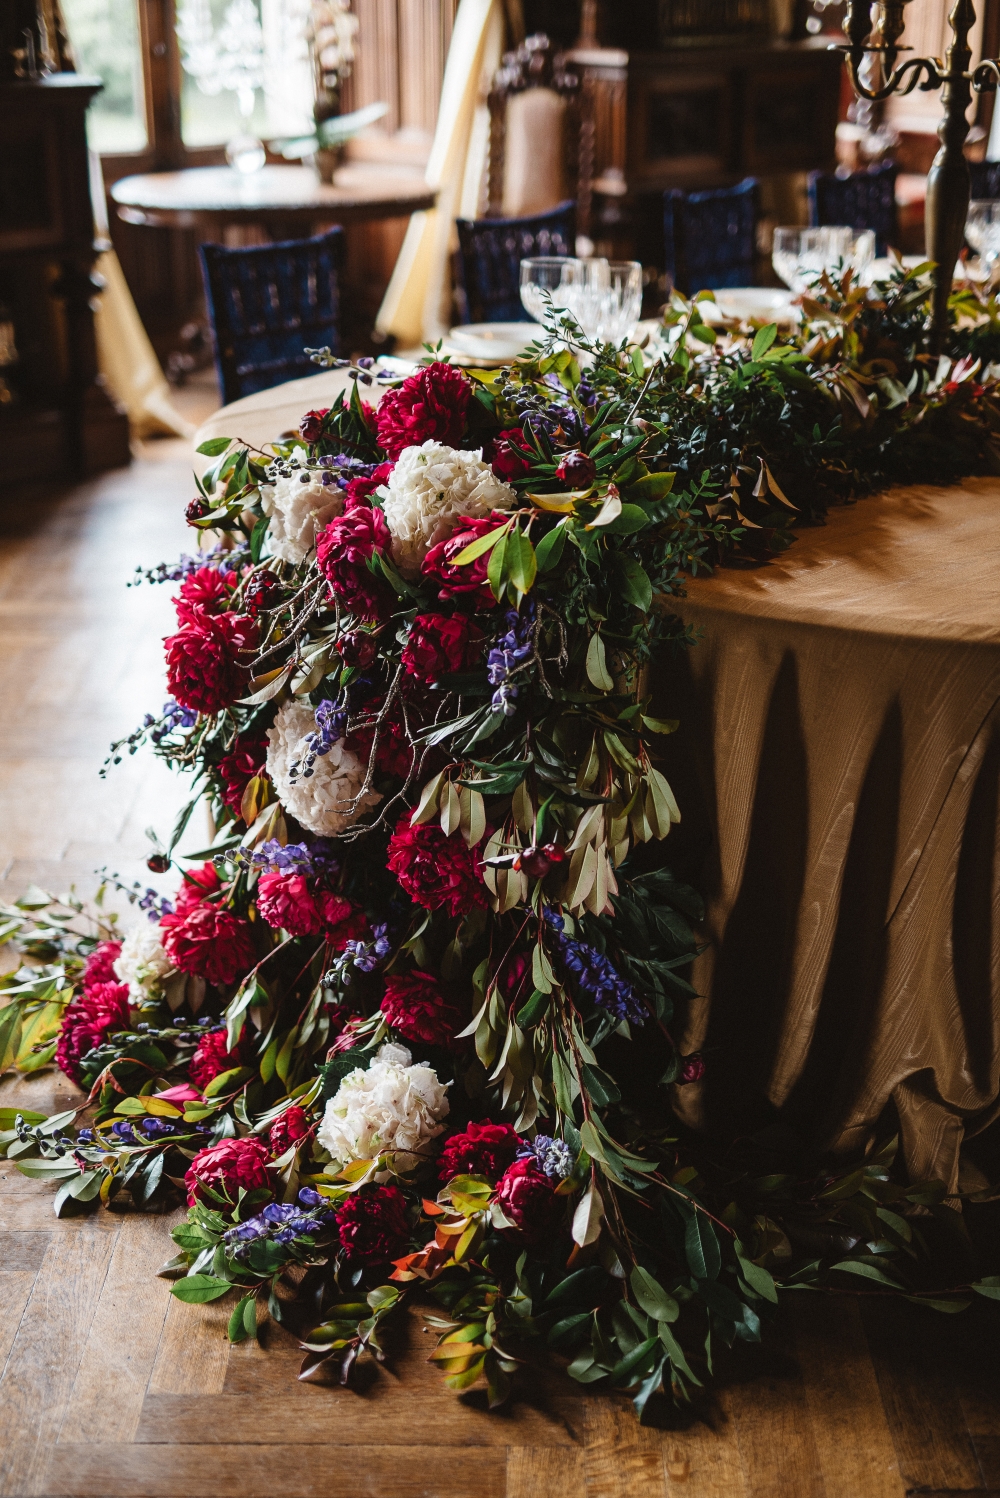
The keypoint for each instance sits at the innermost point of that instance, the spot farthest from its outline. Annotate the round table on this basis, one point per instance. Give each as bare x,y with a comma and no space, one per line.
282,198
839,757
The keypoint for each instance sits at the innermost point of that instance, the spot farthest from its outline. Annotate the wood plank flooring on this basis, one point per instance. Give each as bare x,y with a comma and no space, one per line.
109,1387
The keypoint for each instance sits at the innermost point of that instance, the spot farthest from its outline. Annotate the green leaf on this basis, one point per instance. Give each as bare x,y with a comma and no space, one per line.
243,1321
196,1289
550,547
652,486
496,572
631,518
214,446
989,1286
257,536
867,1271
480,546
701,1247
597,665
763,340
530,1013
652,1297
758,1279
628,1369
634,582
521,563
10,1035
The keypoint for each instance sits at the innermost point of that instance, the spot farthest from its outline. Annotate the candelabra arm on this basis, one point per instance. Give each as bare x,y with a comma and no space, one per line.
985,76
923,72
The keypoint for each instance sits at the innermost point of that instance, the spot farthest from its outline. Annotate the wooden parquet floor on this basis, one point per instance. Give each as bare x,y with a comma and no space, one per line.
109,1387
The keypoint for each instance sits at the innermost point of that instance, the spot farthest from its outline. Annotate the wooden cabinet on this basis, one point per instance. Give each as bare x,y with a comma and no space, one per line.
61,421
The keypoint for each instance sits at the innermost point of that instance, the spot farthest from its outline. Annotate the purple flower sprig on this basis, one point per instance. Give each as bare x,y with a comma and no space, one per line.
174,572
315,858
552,1156
173,716
596,976
364,955
282,1222
331,725
510,651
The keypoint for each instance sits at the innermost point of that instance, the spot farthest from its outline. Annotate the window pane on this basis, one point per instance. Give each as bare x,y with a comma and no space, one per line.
104,35
246,69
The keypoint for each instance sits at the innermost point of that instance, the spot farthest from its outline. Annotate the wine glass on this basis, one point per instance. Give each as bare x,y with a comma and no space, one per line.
621,301
800,256
982,230
588,293
558,275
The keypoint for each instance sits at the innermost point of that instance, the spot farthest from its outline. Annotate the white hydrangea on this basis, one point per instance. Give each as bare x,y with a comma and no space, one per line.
431,488
394,1108
142,962
299,505
323,801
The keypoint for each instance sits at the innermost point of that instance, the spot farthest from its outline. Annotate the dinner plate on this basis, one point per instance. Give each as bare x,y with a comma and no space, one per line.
762,303
493,340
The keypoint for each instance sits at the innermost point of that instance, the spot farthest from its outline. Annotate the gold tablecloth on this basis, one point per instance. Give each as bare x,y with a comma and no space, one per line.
842,715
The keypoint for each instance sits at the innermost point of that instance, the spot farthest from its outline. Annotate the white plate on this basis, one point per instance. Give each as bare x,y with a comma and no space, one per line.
761,302
493,340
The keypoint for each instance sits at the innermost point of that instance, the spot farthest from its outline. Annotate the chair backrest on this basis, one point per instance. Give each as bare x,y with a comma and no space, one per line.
711,237
985,178
863,200
267,303
490,255
541,142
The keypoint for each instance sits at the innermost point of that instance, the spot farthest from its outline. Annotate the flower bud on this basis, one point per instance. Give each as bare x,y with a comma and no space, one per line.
576,469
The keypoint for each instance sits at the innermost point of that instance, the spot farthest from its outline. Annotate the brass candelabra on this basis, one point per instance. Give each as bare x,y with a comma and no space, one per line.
873,33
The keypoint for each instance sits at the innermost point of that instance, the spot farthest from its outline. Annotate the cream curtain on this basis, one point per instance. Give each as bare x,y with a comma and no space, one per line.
416,305
125,356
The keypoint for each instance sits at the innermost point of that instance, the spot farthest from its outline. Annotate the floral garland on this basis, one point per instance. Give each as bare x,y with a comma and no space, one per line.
378,1035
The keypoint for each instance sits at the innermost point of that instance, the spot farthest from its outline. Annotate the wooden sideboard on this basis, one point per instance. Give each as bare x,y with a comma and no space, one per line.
61,421
699,117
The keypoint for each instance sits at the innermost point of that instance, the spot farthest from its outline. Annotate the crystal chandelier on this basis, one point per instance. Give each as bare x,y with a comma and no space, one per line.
231,58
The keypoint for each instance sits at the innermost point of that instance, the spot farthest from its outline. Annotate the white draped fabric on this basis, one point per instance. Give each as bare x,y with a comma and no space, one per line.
416,305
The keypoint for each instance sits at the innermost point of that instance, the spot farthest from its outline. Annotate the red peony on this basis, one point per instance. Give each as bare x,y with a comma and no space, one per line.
246,758
204,669
196,886
343,550
511,455
101,964
207,590
438,644
434,870
528,1198
342,921
261,590
373,1226
285,901
469,580
225,1167
692,1068
359,491
208,942
349,1024
287,1130
311,425
211,1059
415,1006
430,404
485,1149
100,1010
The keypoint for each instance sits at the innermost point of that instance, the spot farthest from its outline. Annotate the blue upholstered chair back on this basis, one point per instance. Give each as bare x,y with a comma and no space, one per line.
490,255
864,200
985,177
267,304
711,237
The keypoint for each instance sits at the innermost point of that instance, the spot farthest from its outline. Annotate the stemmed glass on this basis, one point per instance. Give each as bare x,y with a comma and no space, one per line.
558,275
800,256
982,230
621,301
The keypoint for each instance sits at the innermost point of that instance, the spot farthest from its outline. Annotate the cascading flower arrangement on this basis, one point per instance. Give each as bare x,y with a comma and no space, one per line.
380,1036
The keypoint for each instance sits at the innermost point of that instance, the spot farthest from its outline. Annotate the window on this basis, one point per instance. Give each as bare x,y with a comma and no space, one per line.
104,35
244,69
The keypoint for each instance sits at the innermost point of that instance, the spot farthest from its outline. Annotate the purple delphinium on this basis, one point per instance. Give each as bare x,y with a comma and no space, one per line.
314,858
596,976
173,716
331,725
509,652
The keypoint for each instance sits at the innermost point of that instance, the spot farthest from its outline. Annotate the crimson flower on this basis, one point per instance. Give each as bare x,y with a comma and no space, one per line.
511,455
435,870
439,643
99,1010
528,1198
204,669
311,425
211,1058
287,1130
196,886
246,758
372,1225
470,580
208,942
359,491
415,1006
431,404
101,964
485,1149
343,551
225,1167
207,590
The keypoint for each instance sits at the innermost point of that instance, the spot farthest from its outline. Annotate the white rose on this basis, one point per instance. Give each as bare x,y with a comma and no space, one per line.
299,505
142,962
431,488
323,802
393,1109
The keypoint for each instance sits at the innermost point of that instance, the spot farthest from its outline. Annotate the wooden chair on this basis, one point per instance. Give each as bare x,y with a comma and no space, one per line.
711,237
535,155
490,255
864,200
266,304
